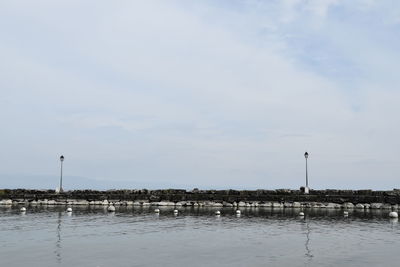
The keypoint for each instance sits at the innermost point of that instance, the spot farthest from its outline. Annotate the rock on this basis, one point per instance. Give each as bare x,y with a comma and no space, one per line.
367,206
43,202
360,206
277,205
296,205
288,205
242,204
227,204
206,203
308,205
51,202
81,202
105,202
265,205
111,209
386,206
255,204
348,205
319,205
376,205
6,202
333,206
187,204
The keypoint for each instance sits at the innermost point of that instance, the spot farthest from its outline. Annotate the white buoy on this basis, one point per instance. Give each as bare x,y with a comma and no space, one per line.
23,209
69,209
301,214
345,213
111,208
157,210
176,212
238,212
217,212
393,214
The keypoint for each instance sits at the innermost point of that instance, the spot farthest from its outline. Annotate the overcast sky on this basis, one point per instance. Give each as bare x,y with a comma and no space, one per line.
208,94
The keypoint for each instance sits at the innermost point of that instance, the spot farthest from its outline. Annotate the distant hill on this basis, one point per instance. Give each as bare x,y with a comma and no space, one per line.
76,182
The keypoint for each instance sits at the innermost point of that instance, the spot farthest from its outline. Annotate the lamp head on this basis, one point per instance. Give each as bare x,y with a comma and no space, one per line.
62,158
306,155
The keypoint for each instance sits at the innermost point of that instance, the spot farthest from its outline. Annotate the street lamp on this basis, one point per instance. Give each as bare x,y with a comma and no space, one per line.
306,189
61,160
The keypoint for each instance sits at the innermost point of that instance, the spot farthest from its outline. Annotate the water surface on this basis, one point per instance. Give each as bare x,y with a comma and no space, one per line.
91,236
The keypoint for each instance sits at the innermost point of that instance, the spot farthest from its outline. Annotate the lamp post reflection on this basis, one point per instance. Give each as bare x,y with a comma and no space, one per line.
57,250
307,229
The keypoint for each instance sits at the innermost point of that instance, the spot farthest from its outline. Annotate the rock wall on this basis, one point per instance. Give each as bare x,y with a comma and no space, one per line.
202,196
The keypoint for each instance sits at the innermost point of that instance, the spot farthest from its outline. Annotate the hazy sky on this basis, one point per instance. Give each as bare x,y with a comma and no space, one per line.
208,94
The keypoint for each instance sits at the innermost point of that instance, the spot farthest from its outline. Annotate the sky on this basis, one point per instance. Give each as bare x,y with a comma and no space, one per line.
207,94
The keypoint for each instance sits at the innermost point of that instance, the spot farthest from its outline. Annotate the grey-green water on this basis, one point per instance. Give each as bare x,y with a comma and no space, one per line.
196,237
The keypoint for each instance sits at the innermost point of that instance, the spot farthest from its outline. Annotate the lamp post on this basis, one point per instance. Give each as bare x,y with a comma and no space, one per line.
306,189
61,160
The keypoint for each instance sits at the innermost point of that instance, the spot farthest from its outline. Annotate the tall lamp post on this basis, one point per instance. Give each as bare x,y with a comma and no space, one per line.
61,160
306,189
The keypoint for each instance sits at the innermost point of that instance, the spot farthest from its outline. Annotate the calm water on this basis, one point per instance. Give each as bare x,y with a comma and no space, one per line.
196,237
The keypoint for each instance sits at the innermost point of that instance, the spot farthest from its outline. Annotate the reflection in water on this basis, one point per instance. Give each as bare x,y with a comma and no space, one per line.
57,251
308,253
394,222
196,237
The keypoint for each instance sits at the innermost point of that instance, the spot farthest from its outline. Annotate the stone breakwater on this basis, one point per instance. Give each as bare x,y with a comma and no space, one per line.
281,198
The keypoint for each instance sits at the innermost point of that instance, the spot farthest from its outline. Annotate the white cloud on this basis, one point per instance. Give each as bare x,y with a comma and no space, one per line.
194,94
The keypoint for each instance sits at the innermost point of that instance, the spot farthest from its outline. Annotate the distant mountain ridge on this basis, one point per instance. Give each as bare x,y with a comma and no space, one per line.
76,182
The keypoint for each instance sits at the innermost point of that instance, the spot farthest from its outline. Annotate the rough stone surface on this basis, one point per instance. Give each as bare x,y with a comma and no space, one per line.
348,205
288,205
376,205
296,205
360,206
243,198
277,205
333,206
241,204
